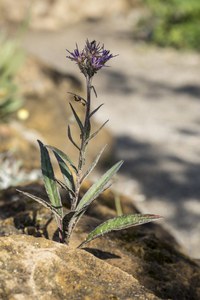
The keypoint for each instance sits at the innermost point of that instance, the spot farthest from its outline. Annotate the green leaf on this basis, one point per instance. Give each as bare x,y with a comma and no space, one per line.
98,187
64,156
77,118
120,223
67,175
49,179
91,168
43,202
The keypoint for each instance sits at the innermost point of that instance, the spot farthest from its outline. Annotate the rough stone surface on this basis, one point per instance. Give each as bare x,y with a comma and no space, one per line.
148,254
40,269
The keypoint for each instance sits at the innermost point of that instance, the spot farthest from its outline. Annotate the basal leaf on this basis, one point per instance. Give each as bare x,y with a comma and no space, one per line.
43,202
98,187
49,179
118,223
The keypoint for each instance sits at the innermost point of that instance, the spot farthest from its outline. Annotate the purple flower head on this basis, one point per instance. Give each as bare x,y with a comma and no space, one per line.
91,59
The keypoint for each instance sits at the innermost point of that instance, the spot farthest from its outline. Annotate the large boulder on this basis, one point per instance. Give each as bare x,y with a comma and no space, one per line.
144,262
36,268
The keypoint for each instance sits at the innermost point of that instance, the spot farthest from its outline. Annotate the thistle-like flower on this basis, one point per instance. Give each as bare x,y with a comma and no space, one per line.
91,59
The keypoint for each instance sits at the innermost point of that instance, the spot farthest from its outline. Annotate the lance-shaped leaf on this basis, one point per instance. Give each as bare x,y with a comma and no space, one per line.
91,168
77,119
96,132
95,110
98,187
64,156
71,139
49,178
120,223
67,175
95,92
43,202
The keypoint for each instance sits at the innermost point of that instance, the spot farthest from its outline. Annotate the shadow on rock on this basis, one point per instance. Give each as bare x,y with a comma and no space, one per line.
101,254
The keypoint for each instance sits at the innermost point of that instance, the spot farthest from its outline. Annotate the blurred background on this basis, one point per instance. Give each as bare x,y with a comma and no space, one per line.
151,93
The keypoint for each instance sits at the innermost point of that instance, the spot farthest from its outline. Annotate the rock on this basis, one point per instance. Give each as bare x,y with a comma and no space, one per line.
148,254
40,269
57,14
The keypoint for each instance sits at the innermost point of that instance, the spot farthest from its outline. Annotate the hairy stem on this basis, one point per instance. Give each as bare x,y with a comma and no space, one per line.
84,141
